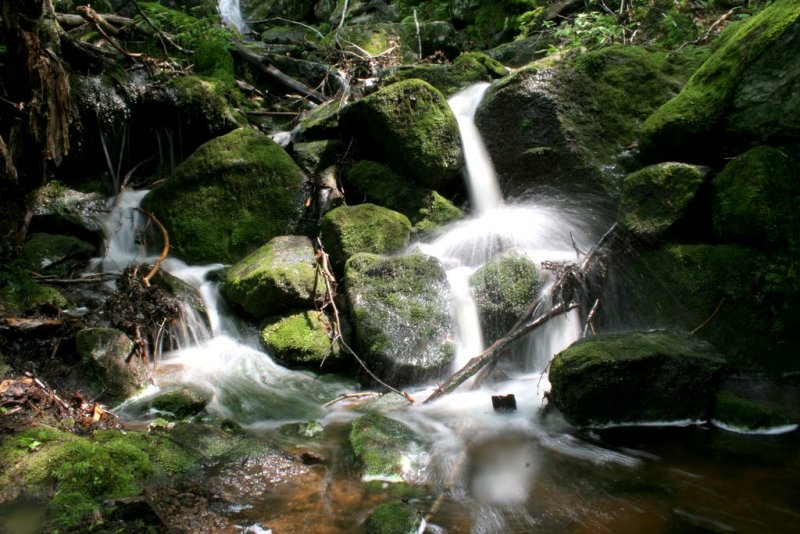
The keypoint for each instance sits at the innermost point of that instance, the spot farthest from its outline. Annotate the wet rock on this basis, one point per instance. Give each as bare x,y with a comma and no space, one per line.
105,351
466,69
743,415
21,294
656,199
305,430
409,126
65,210
745,93
399,308
183,292
277,277
395,517
521,52
55,254
503,290
182,403
381,447
369,181
314,156
635,377
756,199
566,125
349,230
232,195
302,340
320,123
286,9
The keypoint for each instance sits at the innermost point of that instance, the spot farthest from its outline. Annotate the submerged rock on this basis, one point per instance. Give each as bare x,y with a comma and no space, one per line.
381,447
182,402
744,415
349,230
302,340
394,517
635,377
657,198
104,351
233,194
409,126
277,277
399,309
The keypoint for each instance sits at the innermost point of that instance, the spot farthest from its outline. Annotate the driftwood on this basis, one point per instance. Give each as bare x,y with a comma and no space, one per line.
164,251
24,323
262,64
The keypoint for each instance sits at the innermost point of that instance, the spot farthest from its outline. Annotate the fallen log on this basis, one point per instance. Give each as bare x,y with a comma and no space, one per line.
262,64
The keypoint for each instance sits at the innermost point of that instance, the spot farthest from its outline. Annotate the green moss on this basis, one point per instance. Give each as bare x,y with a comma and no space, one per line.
655,198
687,126
757,200
409,126
395,517
302,340
51,253
640,376
503,290
378,184
379,445
314,156
232,195
20,294
206,103
746,415
466,69
277,277
181,403
348,230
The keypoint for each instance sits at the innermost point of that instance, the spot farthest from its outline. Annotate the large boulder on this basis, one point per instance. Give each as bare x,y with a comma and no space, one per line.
277,277
567,124
302,340
635,377
503,290
382,447
373,182
466,69
60,209
747,92
55,254
348,230
399,309
105,351
409,126
657,198
756,200
233,194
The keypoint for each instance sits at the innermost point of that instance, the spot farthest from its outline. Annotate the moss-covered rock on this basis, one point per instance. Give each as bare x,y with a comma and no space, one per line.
105,351
182,402
376,183
277,277
743,415
656,198
466,69
302,340
756,200
63,208
409,126
314,156
233,194
382,447
402,39
21,294
184,293
567,124
286,9
55,254
399,309
394,517
635,377
348,230
320,123
746,92
503,289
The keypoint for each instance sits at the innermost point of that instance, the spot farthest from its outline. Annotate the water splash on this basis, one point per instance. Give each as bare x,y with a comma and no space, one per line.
231,14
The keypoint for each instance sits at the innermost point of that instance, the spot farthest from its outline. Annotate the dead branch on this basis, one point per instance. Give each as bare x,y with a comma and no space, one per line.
709,318
164,251
261,63
25,324
348,396
105,29
70,20
590,319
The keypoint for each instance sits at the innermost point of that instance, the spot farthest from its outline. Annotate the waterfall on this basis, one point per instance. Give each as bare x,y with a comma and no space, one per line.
231,14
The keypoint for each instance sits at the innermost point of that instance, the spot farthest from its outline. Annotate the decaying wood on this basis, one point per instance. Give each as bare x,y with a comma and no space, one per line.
70,19
164,251
262,64
25,324
105,29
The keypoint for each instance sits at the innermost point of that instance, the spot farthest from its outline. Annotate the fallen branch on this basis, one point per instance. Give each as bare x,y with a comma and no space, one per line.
347,396
25,324
164,251
260,62
709,319
104,28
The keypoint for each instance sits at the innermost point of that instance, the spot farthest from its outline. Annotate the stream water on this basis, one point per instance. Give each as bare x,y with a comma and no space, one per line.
477,470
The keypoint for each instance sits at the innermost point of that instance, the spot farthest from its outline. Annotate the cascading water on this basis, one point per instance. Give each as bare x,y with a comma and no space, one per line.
231,14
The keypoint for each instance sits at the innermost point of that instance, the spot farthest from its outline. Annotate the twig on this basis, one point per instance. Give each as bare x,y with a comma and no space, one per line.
709,319
164,251
590,319
347,396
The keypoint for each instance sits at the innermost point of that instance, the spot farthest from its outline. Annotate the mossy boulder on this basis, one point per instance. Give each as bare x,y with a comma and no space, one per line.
374,182
314,156
736,413
396,517
566,124
503,289
232,195
466,69
181,402
286,9
381,446
402,39
409,126
745,93
320,123
55,254
756,200
21,294
348,230
277,277
656,199
399,308
302,340
635,377
63,210
183,292
104,352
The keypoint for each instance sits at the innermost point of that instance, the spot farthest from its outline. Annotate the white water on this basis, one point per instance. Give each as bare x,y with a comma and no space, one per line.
231,14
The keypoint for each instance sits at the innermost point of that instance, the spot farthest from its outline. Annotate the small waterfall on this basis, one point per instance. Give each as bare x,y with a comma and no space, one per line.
231,14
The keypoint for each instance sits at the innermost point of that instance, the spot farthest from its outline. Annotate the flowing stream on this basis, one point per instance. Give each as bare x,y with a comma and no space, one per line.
476,470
